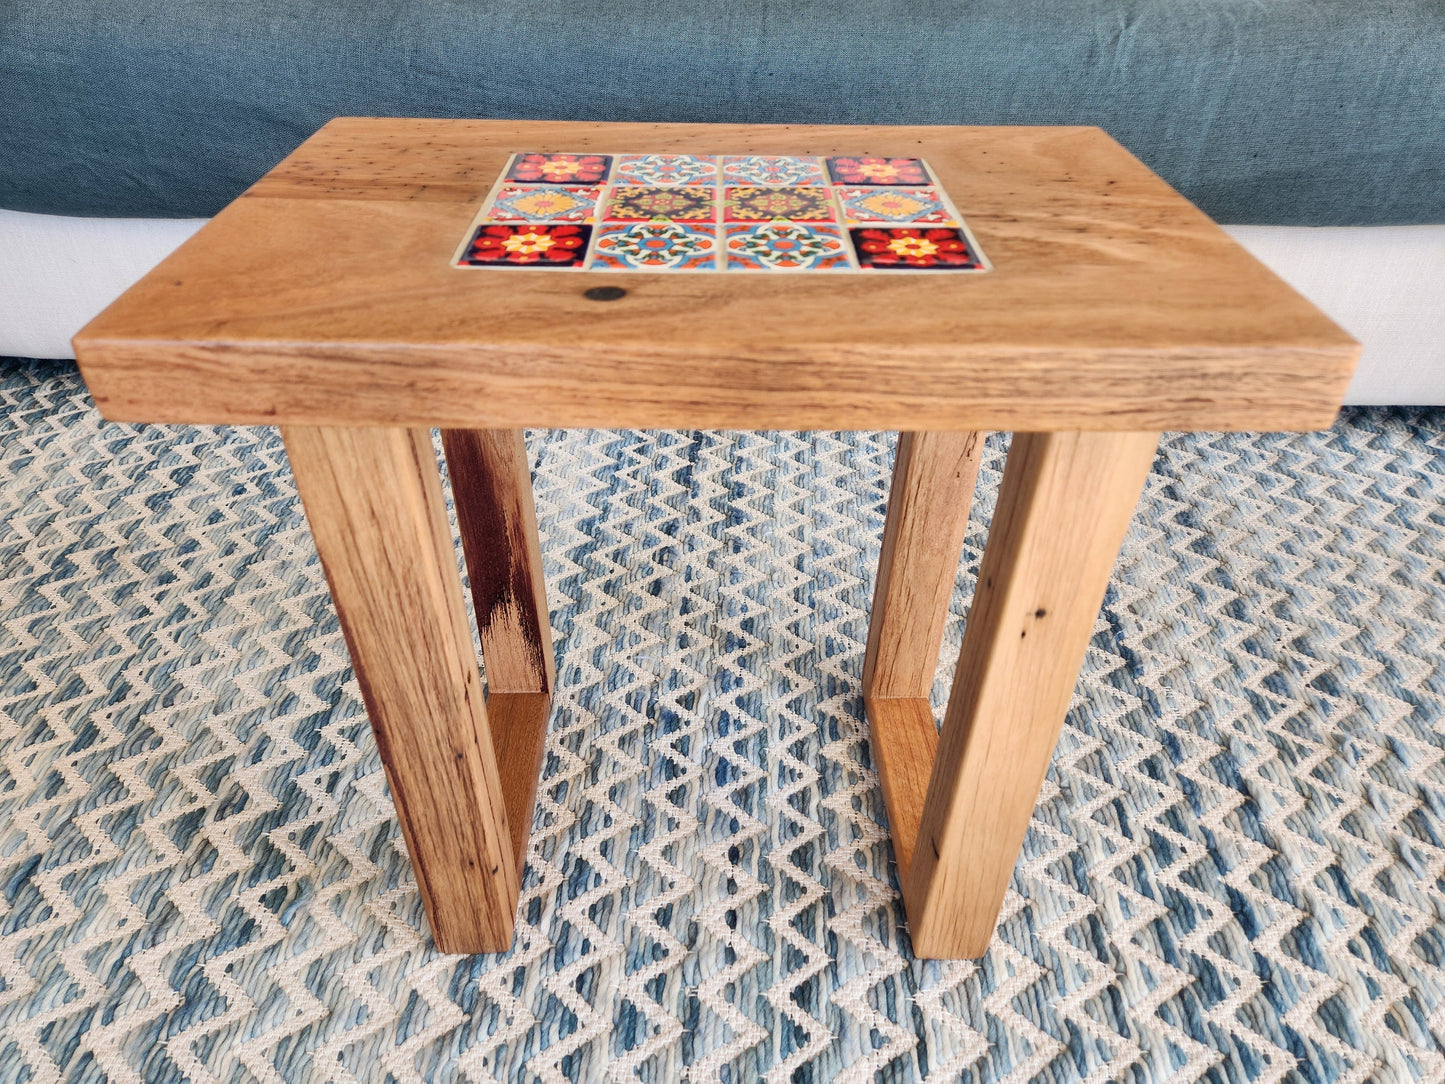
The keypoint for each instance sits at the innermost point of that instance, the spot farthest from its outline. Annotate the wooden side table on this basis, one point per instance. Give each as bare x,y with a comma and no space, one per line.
325,301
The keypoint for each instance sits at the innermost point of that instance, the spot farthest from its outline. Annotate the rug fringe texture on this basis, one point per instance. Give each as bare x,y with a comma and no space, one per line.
1234,872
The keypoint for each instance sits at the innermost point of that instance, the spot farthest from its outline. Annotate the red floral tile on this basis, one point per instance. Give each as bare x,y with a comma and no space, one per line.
534,168
497,244
923,249
879,171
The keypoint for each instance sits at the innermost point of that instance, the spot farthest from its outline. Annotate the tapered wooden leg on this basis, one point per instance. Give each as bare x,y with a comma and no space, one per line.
1065,503
374,501
933,480
492,486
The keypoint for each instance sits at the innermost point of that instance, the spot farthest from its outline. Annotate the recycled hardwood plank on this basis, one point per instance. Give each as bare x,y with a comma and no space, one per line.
325,296
492,487
928,503
519,737
374,501
905,743
1064,506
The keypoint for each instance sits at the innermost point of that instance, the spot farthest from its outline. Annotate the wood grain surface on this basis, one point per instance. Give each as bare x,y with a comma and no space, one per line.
492,487
374,500
904,737
1063,509
928,503
519,738
325,296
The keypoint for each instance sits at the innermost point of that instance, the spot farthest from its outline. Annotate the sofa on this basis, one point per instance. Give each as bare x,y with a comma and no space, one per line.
1314,129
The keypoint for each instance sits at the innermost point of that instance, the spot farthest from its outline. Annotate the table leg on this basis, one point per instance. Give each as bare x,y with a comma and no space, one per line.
374,501
933,480
1063,509
492,486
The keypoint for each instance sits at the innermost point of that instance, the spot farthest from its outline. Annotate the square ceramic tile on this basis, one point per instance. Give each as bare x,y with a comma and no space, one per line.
532,167
760,204
657,245
635,203
665,170
894,206
790,170
941,248
785,246
495,244
878,171
545,203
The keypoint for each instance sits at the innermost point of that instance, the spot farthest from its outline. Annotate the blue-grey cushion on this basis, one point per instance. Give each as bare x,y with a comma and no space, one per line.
1326,112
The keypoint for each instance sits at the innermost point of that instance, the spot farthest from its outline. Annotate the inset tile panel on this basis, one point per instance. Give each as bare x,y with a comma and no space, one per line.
738,213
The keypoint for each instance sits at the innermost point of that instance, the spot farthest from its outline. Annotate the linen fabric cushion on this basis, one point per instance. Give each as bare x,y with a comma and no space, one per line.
1311,112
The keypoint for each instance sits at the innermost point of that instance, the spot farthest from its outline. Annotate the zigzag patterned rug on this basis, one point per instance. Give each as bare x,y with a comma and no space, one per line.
1234,872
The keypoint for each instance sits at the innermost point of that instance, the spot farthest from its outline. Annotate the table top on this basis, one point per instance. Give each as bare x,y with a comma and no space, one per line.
328,294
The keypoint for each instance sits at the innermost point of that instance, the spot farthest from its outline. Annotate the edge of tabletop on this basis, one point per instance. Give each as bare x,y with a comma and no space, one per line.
463,386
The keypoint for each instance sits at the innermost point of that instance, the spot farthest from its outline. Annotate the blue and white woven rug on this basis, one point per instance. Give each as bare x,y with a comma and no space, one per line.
1234,872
